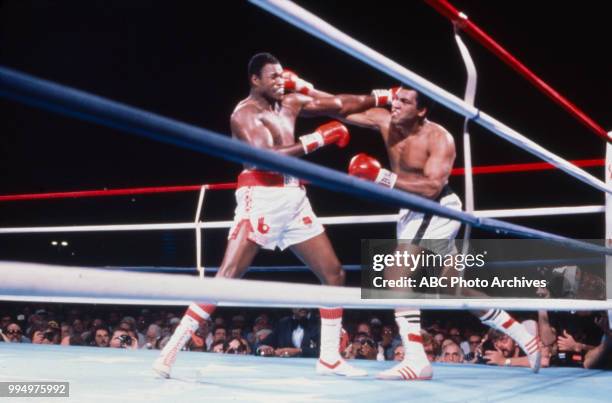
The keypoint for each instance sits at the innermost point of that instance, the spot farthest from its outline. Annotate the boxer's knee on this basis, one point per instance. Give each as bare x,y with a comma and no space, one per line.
230,270
334,275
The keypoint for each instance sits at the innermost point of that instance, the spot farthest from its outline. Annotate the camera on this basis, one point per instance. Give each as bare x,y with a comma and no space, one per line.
368,342
49,335
125,340
480,359
567,359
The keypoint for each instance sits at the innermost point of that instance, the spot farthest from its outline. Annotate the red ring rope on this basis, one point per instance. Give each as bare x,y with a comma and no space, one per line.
462,22
486,169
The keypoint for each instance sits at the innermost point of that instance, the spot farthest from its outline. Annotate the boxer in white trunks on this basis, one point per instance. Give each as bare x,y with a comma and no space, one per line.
272,209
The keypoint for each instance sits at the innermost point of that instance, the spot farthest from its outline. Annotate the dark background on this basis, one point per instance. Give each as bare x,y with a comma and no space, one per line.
187,60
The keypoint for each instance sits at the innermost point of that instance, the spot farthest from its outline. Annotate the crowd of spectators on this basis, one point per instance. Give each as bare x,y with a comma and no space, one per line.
567,339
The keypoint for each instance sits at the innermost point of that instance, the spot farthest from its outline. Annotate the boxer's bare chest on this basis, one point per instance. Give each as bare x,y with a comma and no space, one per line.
408,155
279,125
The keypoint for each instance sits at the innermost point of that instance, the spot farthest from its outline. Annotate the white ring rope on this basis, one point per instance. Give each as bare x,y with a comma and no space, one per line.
337,220
22,281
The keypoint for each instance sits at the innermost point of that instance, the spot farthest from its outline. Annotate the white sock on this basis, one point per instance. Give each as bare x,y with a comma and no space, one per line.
331,325
190,322
409,324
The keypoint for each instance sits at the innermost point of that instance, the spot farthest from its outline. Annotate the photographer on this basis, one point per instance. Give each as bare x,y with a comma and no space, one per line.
362,347
238,345
567,336
41,333
122,339
507,353
600,357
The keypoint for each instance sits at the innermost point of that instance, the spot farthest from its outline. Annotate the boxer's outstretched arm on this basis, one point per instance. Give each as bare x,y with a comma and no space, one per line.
374,118
336,105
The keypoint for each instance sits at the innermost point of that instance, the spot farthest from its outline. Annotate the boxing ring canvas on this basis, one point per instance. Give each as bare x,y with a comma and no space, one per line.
107,374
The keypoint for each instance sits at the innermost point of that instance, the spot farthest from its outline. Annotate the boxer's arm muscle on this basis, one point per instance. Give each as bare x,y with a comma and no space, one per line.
248,128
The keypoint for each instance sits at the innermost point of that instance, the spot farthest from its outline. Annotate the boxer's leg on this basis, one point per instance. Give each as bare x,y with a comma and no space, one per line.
318,254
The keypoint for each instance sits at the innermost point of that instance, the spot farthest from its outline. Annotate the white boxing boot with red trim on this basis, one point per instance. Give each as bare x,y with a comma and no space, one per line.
415,366
330,362
500,320
196,313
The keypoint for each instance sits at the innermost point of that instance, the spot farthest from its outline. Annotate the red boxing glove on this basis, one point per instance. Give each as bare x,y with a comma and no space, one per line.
329,133
366,167
385,97
294,83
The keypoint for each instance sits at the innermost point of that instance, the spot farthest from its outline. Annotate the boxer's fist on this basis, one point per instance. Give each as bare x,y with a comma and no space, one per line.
329,133
385,97
294,83
366,167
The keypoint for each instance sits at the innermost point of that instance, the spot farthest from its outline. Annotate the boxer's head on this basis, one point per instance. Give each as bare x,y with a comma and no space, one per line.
409,106
265,76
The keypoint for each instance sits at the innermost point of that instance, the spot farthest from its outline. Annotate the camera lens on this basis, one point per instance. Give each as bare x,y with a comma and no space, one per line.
125,339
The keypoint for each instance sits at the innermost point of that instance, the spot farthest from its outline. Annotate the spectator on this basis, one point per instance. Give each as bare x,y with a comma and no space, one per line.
439,338
398,354
236,334
220,334
296,335
238,322
368,349
219,346
65,330
78,328
5,321
74,340
219,321
362,347
14,334
101,337
89,334
238,345
507,352
445,343
455,335
133,329
122,339
376,328
260,336
386,342
152,337
40,334
113,319
451,353
428,346
474,341
601,356
566,338
364,328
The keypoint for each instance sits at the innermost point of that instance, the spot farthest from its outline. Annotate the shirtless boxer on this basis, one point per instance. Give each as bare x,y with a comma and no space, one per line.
272,209
421,154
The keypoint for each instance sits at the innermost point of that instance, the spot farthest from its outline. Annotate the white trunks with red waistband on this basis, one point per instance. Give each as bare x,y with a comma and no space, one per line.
275,209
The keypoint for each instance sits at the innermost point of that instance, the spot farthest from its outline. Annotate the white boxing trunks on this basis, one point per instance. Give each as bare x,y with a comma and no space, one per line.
276,208
417,226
